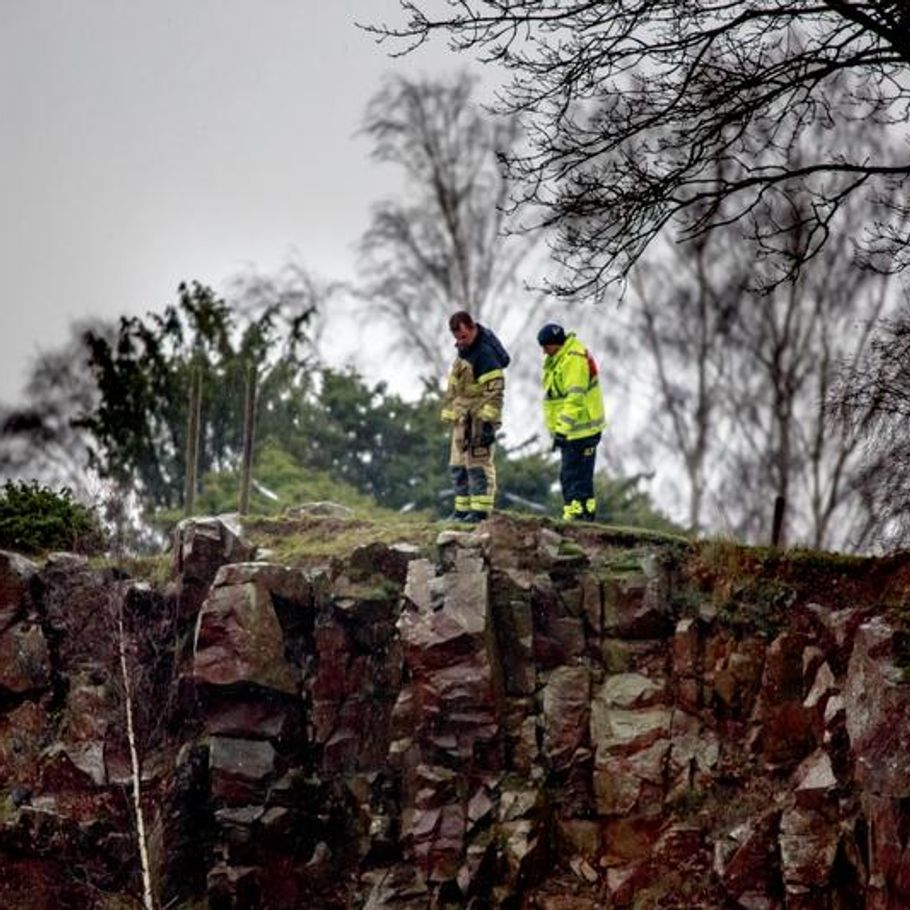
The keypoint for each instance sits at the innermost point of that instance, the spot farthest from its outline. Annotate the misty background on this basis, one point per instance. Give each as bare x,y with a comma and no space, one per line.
145,144
274,169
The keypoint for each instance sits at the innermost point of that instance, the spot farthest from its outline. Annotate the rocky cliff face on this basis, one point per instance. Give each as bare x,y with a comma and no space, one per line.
507,718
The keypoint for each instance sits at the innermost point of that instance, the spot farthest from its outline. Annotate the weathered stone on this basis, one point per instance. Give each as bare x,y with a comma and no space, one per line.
402,887
631,782
736,678
392,562
290,584
16,573
648,657
451,746
787,734
566,700
839,628
24,734
514,627
624,730
201,547
694,755
816,784
559,637
630,690
417,584
578,837
520,726
89,706
686,648
808,841
745,861
24,659
522,846
245,758
72,767
823,687
877,703
636,606
592,605
627,839
888,851
239,639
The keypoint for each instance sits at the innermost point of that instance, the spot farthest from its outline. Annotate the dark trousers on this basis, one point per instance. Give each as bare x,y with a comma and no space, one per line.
576,477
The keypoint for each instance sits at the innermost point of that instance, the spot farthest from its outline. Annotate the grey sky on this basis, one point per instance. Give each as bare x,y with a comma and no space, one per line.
146,142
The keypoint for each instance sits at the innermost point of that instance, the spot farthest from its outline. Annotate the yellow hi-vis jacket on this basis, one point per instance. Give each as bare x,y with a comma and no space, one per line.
573,404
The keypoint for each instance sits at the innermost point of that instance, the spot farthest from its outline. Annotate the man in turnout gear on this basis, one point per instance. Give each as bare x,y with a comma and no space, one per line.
473,405
574,415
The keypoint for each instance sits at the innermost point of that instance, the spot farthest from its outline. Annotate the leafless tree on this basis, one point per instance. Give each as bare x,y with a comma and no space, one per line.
446,242
651,113
684,301
872,398
293,289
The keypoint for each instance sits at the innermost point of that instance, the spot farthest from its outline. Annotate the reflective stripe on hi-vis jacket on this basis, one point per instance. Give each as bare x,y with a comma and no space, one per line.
573,402
477,381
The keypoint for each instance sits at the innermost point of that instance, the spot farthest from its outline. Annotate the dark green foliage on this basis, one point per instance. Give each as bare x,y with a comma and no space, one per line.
281,482
390,449
140,421
35,518
526,483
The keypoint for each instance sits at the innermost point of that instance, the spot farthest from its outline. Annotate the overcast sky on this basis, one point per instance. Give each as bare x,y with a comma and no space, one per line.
147,142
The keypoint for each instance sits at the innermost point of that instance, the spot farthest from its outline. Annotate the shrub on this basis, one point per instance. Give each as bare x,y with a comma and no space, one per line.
35,518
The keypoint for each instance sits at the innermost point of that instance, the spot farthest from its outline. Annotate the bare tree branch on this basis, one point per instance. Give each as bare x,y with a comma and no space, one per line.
639,114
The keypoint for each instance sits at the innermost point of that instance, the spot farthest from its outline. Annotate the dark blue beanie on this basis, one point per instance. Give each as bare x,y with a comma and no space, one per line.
551,333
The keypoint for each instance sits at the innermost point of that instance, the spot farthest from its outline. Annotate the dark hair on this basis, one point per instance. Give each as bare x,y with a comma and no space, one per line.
462,317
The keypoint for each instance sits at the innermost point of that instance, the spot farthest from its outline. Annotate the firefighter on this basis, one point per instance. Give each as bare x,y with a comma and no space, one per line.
473,405
574,415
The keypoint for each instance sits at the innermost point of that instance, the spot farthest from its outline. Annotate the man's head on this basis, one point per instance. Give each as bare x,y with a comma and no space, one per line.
463,328
551,337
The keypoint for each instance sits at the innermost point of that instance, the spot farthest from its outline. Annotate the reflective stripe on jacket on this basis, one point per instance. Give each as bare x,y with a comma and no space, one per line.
477,381
573,402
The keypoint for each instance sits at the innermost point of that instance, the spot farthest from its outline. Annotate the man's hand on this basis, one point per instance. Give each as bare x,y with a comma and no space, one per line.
559,440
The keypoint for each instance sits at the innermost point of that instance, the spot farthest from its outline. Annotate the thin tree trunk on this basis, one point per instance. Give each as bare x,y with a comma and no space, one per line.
147,899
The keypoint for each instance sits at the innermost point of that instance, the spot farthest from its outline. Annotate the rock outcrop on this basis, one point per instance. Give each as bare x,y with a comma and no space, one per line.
514,717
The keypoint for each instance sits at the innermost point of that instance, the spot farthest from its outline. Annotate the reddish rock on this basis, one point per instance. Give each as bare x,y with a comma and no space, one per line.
877,704
25,732
566,706
16,573
239,639
635,608
201,547
809,839
24,658
747,862
559,636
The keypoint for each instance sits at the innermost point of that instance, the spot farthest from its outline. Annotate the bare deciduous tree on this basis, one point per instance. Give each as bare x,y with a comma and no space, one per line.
871,398
445,243
682,309
646,113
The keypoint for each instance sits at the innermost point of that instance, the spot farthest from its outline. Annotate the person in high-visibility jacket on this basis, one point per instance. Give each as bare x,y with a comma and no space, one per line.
574,414
473,405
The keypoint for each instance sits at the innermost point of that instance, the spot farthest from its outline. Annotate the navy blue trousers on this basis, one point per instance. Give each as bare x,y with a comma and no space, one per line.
576,476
